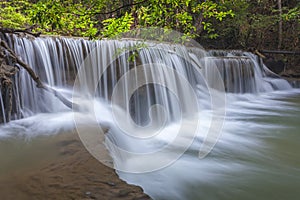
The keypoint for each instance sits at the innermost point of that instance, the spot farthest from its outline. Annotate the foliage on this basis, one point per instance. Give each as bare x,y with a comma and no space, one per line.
11,15
186,16
63,17
132,51
115,26
256,24
225,23
292,14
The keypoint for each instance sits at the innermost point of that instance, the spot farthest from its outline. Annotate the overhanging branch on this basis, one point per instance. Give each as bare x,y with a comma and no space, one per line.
120,8
35,78
27,31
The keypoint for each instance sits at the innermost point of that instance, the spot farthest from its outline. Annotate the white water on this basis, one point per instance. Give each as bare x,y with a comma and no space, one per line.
57,61
244,164
255,158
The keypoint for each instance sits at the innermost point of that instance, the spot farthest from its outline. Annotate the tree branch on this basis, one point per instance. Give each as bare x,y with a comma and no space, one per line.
27,31
280,52
121,7
36,79
21,63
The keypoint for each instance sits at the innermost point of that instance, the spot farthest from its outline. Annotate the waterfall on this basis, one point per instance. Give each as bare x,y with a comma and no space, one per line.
3,117
58,60
163,107
243,72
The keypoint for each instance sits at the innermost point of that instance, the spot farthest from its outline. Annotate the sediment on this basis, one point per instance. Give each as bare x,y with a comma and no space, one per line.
73,174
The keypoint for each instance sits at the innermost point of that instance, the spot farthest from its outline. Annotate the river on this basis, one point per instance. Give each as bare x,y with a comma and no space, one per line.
256,157
207,125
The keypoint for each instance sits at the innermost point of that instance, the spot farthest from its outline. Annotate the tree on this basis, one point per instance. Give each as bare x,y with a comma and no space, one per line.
12,14
256,24
223,23
279,24
190,17
63,17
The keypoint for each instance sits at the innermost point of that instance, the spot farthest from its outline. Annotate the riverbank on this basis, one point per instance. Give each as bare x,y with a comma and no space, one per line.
69,172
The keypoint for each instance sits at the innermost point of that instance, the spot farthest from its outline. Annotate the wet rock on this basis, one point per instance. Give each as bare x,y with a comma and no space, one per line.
124,192
111,183
276,66
67,142
90,195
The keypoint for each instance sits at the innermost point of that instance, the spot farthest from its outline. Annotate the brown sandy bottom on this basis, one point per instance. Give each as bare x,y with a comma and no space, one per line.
71,174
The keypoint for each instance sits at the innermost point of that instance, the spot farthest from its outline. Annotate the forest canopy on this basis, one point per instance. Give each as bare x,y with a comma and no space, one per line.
224,23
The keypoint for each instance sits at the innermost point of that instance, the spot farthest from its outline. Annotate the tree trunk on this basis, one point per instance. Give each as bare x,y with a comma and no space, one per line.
279,24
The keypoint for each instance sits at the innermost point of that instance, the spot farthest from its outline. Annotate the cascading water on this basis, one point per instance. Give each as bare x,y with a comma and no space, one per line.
57,60
136,80
2,107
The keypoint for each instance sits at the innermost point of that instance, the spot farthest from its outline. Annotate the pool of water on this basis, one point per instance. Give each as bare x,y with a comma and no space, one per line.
256,157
